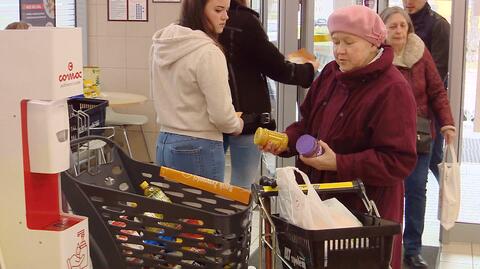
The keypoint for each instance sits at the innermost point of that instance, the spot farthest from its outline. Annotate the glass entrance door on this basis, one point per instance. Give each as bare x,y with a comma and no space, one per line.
443,7
464,95
431,232
283,21
465,79
470,135
271,22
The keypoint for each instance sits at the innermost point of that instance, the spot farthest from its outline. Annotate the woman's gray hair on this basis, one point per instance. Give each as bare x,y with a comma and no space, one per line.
389,11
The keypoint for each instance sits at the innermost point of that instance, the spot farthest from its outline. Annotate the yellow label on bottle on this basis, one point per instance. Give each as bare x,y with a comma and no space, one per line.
91,81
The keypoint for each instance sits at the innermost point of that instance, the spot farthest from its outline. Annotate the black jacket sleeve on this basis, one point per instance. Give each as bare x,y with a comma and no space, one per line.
270,61
441,45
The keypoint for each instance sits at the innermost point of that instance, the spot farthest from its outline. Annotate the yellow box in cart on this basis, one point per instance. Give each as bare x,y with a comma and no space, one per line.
91,81
223,189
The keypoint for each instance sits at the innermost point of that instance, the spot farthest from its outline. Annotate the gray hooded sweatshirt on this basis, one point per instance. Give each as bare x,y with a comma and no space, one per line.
189,83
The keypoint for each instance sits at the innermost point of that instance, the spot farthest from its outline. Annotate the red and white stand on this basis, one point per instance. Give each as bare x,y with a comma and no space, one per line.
40,68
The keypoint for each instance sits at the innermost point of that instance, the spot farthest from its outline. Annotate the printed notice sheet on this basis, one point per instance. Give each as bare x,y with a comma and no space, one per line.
117,10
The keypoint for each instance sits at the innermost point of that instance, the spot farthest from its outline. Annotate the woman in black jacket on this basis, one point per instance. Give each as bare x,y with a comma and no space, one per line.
251,58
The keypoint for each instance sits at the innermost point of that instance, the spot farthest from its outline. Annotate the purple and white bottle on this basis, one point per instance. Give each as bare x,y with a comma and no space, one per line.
308,146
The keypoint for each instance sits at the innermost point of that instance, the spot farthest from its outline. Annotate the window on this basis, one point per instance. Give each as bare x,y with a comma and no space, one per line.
9,12
256,5
64,9
443,7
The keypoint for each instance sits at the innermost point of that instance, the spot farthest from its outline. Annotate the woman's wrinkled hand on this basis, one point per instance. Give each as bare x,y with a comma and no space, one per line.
325,162
271,148
449,135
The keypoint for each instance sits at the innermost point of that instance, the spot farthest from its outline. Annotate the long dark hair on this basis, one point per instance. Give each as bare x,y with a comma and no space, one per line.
242,2
193,17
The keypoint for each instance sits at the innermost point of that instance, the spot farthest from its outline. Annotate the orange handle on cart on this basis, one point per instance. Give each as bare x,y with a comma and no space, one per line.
226,190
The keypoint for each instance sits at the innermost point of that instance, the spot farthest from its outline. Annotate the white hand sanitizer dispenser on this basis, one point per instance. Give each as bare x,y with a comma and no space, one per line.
49,146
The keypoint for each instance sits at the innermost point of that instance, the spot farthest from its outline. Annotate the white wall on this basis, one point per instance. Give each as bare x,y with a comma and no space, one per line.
121,50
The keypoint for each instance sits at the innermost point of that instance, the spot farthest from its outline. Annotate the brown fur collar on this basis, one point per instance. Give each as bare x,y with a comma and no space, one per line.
412,53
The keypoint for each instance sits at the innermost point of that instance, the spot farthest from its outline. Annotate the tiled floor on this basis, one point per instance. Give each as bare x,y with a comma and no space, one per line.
254,242
460,256
470,175
431,232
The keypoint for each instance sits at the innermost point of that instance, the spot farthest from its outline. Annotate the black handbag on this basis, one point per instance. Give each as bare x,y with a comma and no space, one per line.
424,135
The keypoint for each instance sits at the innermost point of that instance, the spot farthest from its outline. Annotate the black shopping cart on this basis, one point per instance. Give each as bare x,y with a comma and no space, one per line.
364,247
199,229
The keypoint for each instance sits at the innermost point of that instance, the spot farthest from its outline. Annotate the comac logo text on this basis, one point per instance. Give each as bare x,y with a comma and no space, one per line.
70,76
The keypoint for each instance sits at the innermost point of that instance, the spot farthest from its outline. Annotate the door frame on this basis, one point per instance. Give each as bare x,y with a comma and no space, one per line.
287,94
287,42
461,232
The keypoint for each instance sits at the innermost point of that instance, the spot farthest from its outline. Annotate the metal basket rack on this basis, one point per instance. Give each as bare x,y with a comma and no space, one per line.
87,117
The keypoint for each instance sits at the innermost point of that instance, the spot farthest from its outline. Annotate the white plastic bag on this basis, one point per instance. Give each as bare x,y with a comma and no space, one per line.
341,216
308,211
449,194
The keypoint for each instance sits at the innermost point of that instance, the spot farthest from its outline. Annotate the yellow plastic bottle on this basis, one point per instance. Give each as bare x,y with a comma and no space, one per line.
154,192
263,135
157,194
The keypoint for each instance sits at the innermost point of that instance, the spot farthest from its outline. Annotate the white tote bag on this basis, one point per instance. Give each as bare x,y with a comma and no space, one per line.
449,194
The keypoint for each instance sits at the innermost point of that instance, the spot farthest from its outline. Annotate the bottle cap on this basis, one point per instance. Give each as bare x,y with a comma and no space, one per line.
306,145
144,185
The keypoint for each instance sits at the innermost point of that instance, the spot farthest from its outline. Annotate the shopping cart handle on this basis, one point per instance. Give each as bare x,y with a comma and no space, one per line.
268,187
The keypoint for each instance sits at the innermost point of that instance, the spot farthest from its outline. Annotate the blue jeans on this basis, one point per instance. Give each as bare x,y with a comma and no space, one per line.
193,155
437,151
245,158
415,203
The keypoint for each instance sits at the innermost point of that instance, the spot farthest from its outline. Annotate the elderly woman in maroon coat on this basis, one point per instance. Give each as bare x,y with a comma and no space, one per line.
416,64
362,111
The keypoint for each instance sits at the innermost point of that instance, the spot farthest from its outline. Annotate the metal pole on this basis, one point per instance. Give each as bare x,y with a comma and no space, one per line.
268,231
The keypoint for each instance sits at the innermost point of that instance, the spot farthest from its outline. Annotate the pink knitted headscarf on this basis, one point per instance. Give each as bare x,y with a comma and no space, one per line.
360,21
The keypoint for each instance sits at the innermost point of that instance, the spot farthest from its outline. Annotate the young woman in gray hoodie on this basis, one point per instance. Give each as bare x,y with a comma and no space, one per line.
189,81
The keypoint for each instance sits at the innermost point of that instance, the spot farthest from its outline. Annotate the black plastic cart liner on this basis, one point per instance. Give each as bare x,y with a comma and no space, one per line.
119,238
